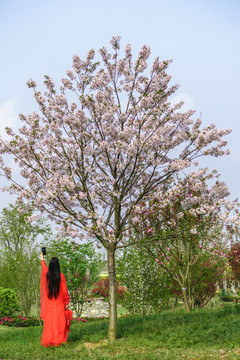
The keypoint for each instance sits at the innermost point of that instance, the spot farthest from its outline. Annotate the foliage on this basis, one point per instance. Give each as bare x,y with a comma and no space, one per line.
8,302
19,244
88,162
19,321
102,288
228,296
205,274
81,266
147,289
22,273
185,229
234,259
19,230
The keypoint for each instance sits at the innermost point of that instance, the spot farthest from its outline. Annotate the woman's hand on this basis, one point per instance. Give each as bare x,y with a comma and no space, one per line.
41,256
66,306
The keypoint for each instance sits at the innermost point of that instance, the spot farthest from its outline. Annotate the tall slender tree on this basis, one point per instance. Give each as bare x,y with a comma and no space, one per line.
102,144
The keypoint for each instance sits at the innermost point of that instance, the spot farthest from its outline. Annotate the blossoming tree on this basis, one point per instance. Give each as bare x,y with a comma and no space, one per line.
101,144
186,228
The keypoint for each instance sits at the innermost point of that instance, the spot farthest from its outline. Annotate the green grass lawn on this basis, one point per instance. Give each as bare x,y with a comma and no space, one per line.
202,334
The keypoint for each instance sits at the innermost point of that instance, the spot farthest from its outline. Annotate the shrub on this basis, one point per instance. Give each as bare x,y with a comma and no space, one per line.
19,321
149,288
233,259
102,288
227,298
8,302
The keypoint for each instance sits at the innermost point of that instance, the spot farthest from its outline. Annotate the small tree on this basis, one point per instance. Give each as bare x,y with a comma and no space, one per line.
19,265
81,266
184,229
20,230
91,159
234,259
205,274
148,290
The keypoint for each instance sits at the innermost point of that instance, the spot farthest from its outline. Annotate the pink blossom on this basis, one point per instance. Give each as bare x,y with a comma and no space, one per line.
115,42
31,83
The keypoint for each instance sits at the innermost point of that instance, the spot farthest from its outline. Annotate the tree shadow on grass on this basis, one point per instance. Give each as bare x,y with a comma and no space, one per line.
199,328
86,331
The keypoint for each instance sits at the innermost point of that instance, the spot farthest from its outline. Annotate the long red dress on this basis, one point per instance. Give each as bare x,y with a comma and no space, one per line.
55,330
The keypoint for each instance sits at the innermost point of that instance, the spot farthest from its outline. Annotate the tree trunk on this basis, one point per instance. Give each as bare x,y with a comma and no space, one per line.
185,299
112,329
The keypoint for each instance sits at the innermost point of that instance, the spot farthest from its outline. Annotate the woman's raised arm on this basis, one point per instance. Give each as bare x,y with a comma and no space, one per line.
43,287
44,266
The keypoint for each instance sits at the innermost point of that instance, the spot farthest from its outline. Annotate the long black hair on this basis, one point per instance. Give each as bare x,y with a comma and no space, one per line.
53,278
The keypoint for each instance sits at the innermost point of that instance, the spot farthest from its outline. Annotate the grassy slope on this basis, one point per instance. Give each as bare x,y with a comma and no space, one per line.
203,334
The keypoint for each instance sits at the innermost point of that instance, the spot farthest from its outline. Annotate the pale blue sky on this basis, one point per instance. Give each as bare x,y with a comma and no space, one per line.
202,38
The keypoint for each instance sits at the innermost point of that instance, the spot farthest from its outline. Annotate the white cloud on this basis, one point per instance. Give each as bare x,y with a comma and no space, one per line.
8,116
189,103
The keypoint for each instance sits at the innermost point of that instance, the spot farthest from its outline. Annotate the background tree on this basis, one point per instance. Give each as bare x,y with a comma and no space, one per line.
234,259
90,159
80,265
148,290
19,256
184,229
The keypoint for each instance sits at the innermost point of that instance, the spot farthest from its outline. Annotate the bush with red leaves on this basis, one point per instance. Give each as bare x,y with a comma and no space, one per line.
206,273
102,288
234,259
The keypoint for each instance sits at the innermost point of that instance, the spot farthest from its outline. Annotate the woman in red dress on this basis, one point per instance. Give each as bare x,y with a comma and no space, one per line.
54,302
